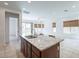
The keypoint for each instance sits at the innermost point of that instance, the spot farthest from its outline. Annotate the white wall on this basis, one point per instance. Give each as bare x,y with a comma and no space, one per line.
59,26
2,25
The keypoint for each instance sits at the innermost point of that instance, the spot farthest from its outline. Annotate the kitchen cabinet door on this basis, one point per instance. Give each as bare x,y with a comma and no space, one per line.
22,46
26,49
29,50
34,55
35,26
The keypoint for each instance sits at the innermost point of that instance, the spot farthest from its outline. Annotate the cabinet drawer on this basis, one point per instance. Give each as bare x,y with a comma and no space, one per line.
36,51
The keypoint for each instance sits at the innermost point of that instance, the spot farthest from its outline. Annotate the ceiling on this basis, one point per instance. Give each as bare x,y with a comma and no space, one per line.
45,9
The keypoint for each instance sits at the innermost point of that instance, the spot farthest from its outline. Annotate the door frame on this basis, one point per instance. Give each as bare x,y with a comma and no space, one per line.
18,24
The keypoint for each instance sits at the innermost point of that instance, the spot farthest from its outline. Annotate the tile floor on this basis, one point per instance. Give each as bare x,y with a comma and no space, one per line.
11,50
69,48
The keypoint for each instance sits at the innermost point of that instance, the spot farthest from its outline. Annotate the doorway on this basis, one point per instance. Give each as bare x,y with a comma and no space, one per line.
12,28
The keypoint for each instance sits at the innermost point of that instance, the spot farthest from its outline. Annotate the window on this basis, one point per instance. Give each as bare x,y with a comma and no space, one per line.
71,29
67,29
26,29
74,29
54,29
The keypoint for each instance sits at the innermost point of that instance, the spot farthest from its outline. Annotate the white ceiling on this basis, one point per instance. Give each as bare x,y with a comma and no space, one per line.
49,9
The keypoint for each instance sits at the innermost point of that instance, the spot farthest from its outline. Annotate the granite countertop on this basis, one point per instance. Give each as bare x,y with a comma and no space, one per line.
43,42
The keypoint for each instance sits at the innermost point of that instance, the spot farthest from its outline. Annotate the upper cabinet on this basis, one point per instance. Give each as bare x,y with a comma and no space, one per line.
71,23
35,26
38,25
54,24
42,25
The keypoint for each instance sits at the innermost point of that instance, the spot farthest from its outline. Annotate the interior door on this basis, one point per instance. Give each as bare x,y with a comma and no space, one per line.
13,28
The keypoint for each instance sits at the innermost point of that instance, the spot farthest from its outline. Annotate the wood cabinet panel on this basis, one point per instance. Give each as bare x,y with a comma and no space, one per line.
66,24
36,51
78,22
35,26
42,25
52,52
39,26
22,46
53,24
29,49
34,55
74,23
26,49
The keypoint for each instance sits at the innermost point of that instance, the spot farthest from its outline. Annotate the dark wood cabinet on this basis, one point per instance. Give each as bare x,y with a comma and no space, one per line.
42,25
34,55
52,52
38,26
25,48
35,26
22,46
30,50
53,24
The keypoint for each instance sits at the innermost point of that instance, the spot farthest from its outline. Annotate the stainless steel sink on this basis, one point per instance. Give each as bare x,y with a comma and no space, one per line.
30,37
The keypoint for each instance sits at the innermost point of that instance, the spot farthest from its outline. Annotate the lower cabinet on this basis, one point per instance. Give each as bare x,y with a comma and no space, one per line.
35,52
52,52
30,51
25,48
22,46
34,55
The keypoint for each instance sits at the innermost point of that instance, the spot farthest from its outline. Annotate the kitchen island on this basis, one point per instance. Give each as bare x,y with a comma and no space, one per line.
40,47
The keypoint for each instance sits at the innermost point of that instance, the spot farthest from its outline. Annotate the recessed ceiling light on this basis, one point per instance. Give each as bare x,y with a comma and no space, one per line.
73,6
5,3
27,12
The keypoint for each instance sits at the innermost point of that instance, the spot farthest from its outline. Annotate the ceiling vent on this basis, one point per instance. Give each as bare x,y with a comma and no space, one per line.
27,12
65,10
